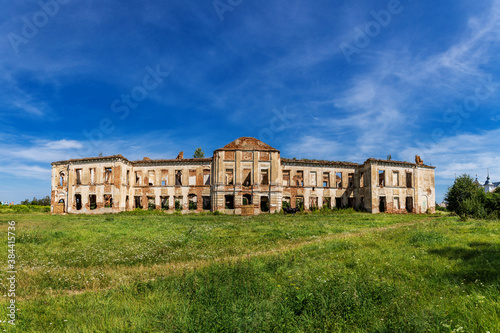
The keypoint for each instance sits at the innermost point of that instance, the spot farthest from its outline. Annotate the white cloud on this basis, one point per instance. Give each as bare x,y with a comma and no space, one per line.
463,153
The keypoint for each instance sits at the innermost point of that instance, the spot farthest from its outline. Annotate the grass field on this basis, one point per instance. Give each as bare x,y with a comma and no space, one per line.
337,272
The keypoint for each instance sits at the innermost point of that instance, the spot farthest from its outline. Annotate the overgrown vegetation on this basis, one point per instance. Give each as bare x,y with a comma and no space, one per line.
468,200
345,271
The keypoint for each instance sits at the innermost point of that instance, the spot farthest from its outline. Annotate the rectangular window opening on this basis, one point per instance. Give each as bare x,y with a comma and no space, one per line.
326,179
151,177
381,178
192,177
395,178
206,176
178,177
338,179
78,176
264,177
286,178
229,177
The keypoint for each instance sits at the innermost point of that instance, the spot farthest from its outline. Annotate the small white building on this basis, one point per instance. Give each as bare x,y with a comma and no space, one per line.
488,185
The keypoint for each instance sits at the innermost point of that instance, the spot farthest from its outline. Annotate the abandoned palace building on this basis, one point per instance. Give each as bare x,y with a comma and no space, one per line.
246,177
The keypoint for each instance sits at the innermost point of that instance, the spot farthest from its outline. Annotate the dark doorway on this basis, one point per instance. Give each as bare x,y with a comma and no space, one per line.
409,204
92,201
78,201
264,204
207,203
350,202
247,199
382,204
138,203
229,200
338,203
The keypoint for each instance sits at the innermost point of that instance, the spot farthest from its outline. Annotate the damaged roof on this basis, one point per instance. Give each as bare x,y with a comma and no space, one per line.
248,143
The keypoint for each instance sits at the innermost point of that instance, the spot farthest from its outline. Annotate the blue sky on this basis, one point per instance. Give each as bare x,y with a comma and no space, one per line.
337,80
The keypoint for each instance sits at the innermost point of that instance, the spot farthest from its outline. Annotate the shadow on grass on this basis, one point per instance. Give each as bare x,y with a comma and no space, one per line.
480,261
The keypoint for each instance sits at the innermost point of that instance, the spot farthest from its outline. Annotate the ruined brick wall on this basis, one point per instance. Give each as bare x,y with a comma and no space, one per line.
244,173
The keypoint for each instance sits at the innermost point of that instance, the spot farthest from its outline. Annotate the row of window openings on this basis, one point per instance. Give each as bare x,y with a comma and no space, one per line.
313,202
396,204
164,202
138,176
395,179
299,179
247,177
246,200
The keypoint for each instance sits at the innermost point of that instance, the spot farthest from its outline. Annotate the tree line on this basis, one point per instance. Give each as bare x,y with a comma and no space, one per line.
45,201
468,200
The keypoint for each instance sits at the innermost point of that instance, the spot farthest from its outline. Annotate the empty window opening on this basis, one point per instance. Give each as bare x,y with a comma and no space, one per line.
151,203
264,177
164,203
92,201
229,177
108,200
381,178
192,177
286,202
396,203
78,201
61,179
247,199
299,203
338,179
193,202
326,179
338,202
92,176
138,178
264,204
299,178
382,205
313,203
408,180
178,177
107,175
127,202
395,178
327,202
138,202
127,181
229,201
350,180
151,178
178,203
362,179
78,176
286,178
409,204
206,176
207,203
164,177
314,180
247,177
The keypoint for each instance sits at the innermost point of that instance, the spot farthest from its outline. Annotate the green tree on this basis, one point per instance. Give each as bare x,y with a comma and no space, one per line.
466,198
497,190
198,153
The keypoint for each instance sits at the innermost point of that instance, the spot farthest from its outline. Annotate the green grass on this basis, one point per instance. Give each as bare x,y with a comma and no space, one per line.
340,272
